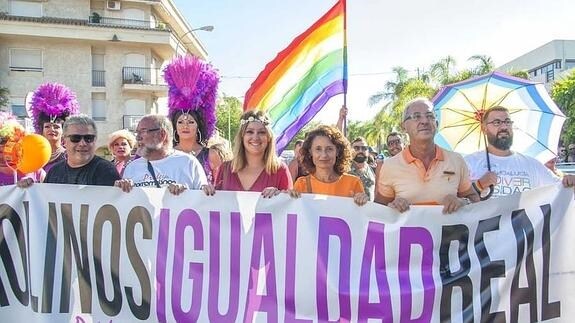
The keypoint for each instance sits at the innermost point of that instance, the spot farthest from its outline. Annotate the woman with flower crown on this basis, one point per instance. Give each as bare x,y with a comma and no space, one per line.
192,99
51,104
11,131
255,166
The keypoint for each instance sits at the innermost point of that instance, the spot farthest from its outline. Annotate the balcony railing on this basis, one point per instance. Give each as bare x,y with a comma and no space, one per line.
109,21
142,75
130,122
98,78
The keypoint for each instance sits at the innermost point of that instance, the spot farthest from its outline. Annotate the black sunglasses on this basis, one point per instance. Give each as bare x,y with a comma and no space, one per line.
77,138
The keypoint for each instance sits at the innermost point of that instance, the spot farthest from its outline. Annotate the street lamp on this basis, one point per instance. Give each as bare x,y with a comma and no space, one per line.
208,28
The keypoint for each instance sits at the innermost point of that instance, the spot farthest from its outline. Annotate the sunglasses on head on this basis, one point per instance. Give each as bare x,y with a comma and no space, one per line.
3,140
77,138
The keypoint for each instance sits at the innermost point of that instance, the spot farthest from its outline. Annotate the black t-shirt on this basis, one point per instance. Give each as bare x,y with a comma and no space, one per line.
97,172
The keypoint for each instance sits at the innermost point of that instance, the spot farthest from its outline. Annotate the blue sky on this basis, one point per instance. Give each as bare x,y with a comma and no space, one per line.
381,35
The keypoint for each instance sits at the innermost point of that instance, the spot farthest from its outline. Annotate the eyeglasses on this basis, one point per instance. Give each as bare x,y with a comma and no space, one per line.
146,131
498,123
418,116
360,148
77,138
395,142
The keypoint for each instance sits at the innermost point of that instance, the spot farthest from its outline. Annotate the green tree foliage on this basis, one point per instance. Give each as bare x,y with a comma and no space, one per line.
563,93
484,64
4,98
228,113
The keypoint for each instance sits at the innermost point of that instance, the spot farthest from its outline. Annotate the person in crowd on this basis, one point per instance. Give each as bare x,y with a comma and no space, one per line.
10,133
50,105
424,173
81,166
326,155
394,142
562,156
223,153
255,166
160,165
340,124
571,153
295,167
192,95
511,172
121,143
360,167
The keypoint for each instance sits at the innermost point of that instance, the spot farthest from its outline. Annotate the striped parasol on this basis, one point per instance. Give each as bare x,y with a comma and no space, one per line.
460,107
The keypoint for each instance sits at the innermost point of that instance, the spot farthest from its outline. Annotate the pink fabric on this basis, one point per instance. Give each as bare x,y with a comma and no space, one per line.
228,181
8,179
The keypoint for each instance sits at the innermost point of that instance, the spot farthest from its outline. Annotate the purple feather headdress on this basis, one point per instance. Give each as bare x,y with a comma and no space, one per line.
52,101
193,86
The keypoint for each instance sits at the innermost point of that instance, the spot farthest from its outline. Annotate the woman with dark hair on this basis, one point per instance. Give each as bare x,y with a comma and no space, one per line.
51,104
326,155
255,166
192,98
190,136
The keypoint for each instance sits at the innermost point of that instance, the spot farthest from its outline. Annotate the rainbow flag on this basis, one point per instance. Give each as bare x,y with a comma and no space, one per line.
297,83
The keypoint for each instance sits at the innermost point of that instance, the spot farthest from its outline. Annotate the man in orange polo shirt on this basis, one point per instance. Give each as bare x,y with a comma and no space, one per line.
423,173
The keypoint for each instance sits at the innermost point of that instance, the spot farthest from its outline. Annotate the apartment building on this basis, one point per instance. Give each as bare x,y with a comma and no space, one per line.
110,52
546,63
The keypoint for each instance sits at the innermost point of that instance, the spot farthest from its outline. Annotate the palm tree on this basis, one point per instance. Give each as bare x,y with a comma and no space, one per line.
441,71
484,64
391,88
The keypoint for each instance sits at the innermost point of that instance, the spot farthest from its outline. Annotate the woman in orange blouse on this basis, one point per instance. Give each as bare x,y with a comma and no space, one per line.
325,154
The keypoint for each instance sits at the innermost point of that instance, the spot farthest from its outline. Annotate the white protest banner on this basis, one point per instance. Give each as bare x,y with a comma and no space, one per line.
96,254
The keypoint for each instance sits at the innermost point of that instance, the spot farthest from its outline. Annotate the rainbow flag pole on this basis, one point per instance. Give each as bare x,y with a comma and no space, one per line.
299,81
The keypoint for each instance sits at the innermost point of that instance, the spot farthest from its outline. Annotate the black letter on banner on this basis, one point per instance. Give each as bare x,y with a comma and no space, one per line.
548,310
82,263
50,259
460,233
139,215
523,295
8,213
108,213
33,298
489,269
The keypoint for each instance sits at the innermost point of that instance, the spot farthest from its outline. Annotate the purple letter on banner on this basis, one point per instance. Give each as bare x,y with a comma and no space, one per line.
422,237
263,238
374,250
333,227
214,282
291,239
161,255
187,218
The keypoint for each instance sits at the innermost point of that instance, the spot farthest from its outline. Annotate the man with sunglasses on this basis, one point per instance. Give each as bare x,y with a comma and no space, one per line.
360,166
511,172
81,165
423,173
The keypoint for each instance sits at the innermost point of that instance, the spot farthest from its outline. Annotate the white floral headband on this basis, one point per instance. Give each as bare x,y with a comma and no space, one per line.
262,119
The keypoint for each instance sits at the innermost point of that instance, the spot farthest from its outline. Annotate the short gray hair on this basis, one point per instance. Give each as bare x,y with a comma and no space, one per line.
79,119
409,104
164,123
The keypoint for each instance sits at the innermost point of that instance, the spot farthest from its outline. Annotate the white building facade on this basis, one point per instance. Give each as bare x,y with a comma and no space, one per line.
109,52
547,63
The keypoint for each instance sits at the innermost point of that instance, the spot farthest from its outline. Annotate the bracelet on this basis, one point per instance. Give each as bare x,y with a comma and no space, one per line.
480,186
475,188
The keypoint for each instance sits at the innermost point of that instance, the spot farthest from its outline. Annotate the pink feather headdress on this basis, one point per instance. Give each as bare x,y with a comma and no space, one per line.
52,101
193,86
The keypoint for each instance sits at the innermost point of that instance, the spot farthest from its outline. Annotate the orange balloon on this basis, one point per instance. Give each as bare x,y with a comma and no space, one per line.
35,153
